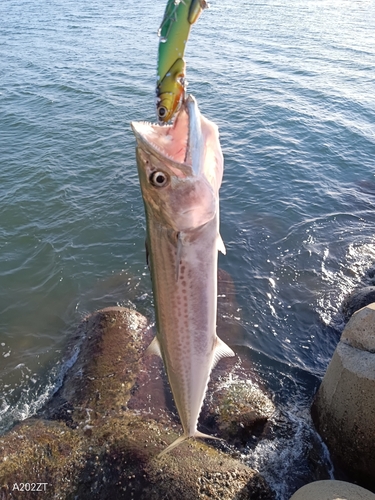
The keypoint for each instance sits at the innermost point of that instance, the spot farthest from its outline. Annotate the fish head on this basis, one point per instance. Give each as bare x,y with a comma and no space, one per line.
180,168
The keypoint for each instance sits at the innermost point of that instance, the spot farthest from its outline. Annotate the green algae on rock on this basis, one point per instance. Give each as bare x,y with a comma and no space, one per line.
88,443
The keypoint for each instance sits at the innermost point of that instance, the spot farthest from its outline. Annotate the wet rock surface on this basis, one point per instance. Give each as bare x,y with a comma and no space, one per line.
100,434
357,300
236,408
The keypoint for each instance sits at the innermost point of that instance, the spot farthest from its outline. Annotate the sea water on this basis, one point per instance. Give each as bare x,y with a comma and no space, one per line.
291,87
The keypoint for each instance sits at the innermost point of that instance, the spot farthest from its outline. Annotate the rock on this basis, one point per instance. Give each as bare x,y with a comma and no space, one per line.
344,406
43,453
93,441
236,409
360,331
357,300
100,381
118,461
332,490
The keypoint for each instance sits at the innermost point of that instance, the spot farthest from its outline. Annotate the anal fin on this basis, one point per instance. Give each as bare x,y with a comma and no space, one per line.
222,350
154,348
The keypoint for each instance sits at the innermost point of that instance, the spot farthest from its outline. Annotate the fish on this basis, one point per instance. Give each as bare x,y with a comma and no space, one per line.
180,168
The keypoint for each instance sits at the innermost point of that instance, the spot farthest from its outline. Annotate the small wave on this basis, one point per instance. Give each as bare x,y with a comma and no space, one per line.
33,399
359,257
292,455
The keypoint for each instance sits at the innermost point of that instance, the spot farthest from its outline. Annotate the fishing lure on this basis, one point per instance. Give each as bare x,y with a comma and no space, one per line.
174,31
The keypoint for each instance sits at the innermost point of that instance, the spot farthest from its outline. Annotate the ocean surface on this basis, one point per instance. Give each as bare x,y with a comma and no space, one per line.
290,85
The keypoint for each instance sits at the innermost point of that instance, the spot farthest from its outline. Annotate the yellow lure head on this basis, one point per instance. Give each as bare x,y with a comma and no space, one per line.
170,91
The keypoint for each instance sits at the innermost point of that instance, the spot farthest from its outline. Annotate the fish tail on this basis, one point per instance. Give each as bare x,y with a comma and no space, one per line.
201,435
182,438
175,443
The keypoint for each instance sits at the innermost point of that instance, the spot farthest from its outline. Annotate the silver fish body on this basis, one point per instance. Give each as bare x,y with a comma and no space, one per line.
180,169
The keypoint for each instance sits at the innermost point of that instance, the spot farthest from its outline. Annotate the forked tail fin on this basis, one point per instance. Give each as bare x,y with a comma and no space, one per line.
182,438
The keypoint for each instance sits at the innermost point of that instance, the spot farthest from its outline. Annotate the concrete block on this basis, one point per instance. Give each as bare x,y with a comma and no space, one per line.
344,406
360,331
332,490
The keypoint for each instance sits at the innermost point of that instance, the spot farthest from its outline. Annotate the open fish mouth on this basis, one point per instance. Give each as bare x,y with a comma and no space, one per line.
180,167
174,142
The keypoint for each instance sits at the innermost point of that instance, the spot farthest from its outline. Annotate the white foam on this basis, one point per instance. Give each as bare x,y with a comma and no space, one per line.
357,260
283,459
33,399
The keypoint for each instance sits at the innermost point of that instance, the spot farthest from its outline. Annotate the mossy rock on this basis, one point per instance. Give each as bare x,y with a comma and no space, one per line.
89,442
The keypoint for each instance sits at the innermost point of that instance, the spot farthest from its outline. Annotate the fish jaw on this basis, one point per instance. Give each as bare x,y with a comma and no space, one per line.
188,154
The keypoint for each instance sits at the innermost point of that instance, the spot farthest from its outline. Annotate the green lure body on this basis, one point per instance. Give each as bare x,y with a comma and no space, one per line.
174,32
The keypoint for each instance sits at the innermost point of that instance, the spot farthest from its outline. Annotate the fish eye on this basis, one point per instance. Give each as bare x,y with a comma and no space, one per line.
162,111
159,179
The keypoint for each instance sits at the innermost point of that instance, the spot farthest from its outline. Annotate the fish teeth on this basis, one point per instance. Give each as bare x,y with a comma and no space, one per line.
155,146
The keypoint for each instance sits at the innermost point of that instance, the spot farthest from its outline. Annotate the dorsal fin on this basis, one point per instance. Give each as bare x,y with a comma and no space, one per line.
220,244
147,256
